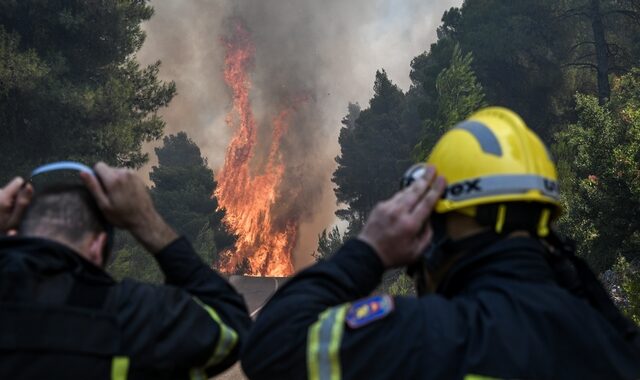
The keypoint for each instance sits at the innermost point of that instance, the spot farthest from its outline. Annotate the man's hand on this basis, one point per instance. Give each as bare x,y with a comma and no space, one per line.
126,203
14,199
398,229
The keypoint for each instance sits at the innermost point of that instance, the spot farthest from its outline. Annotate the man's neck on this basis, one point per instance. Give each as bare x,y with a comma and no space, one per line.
58,239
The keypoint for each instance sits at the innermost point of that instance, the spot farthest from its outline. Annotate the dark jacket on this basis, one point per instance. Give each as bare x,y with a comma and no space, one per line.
499,315
63,318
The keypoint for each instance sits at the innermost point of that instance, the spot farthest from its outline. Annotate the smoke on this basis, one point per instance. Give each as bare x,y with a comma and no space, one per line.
317,54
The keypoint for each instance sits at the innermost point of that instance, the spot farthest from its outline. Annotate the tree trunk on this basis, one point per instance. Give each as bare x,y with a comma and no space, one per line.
602,55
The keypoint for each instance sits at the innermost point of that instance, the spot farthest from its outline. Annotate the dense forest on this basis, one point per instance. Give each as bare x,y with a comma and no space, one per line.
71,88
570,68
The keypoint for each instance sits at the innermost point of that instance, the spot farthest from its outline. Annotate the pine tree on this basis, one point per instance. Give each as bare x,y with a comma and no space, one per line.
182,189
70,85
375,152
328,243
598,166
459,94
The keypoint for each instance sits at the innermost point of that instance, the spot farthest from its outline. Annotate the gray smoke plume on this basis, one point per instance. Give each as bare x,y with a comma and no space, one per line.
325,51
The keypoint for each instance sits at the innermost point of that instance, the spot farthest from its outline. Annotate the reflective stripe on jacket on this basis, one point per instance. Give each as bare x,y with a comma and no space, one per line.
62,317
500,315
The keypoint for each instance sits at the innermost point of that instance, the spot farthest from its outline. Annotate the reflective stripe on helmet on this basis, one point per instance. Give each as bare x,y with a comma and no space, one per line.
487,140
493,158
323,344
62,165
501,184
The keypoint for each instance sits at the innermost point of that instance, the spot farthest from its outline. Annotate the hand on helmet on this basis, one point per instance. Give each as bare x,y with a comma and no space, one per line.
398,229
14,199
126,203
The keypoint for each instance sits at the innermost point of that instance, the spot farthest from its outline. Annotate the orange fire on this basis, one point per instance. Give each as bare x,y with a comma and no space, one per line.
248,188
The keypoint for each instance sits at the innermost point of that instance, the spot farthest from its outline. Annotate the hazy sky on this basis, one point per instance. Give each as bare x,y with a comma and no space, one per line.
331,47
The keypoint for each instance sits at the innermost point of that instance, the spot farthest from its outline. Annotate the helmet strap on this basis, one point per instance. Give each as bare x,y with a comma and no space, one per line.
501,220
432,258
505,218
443,251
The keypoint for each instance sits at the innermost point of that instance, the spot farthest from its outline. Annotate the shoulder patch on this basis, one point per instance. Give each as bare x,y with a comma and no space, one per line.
368,310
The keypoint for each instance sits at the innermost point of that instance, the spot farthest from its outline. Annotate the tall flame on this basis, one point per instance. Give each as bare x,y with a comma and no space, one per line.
248,190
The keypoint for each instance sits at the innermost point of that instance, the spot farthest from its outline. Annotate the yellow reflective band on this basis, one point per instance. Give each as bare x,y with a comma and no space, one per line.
197,374
479,377
119,367
543,223
502,214
227,339
323,344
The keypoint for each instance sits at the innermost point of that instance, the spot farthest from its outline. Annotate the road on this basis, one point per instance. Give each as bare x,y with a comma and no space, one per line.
256,292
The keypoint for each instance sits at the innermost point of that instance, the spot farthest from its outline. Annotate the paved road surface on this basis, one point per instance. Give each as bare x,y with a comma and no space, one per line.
256,291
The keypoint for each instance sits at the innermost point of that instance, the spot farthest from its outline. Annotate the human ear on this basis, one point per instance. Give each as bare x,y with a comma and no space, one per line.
96,249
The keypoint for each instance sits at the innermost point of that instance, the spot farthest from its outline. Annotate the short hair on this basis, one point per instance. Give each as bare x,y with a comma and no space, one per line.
65,211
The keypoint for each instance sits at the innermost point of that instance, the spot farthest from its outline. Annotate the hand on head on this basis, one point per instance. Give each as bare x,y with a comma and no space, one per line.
398,229
121,195
125,201
14,199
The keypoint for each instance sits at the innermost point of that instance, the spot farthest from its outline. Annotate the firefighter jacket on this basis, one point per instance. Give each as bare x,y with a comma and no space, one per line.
61,317
498,314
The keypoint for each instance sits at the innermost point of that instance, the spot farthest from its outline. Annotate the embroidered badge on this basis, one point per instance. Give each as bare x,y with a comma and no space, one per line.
368,310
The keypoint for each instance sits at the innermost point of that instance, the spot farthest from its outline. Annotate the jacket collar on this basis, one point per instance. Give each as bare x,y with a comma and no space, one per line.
43,255
518,258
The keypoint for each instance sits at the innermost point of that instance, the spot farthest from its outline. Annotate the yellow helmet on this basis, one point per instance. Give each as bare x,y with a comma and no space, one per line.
493,158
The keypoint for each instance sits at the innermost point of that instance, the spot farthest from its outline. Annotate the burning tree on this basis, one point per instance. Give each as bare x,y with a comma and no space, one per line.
249,185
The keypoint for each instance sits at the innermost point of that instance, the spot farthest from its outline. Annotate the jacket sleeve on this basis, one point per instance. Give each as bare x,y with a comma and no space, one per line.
195,322
302,332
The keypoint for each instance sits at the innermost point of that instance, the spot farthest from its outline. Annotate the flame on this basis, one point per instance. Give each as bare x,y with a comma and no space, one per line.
249,195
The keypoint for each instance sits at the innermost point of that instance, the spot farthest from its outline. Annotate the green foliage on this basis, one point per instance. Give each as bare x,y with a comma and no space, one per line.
70,87
605,40
375,151
518,49
529,56
131,260
182,193
425,69
397,283
402,286
183,187
458,95
19,71
630,285
205,244
599,157
328,244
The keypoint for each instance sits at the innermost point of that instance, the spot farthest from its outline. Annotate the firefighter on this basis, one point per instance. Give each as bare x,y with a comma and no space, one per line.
499,295
63,317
